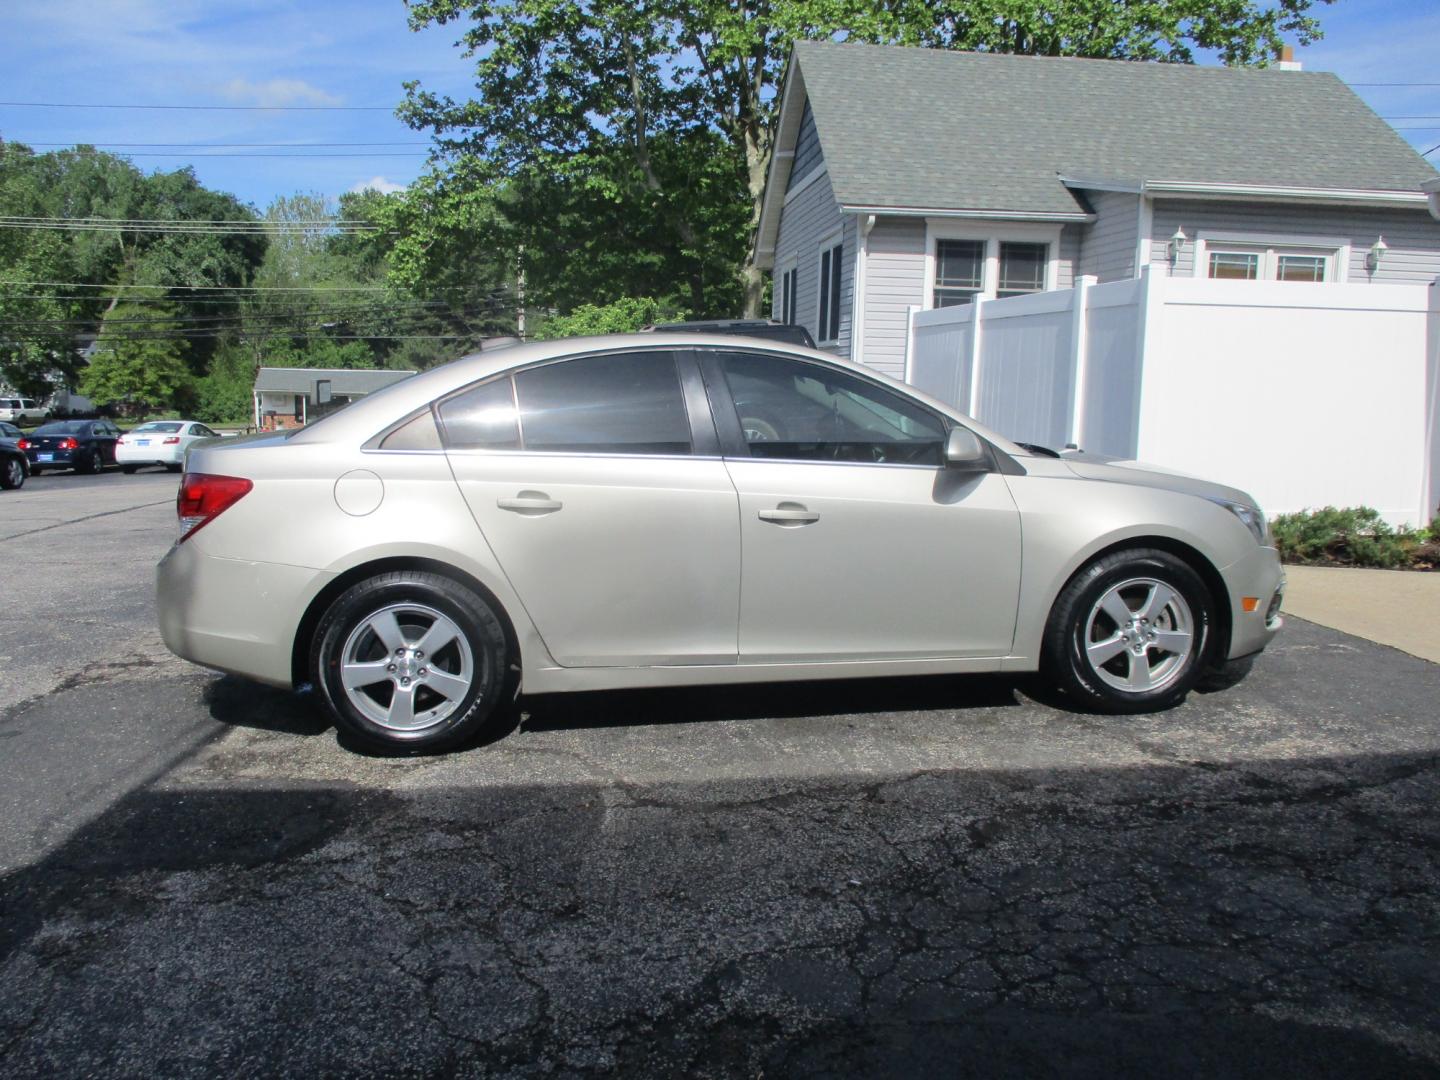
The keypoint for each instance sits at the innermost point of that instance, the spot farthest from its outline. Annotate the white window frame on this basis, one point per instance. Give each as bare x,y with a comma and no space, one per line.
1270,246
937,229
835,237
789,265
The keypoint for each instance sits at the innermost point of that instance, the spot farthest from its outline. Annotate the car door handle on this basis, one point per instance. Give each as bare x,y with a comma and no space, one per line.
530,502
790,515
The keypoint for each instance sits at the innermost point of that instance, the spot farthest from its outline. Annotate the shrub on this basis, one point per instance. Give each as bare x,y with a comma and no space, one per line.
1349,536
622,316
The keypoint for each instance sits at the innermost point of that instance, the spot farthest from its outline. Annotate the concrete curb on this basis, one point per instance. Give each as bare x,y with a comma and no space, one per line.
1399,608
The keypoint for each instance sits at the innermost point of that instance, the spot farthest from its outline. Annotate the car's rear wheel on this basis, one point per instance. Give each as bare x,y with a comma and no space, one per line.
91,463
13,474
1131,632
411,661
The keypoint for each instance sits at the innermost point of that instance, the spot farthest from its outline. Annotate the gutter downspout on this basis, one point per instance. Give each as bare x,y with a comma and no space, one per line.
866,222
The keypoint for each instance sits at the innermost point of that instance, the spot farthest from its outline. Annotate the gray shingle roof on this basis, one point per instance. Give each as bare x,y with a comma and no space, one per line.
343,381
904,127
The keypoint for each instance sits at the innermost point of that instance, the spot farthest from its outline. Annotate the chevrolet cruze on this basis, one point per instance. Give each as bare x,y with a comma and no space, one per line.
683,509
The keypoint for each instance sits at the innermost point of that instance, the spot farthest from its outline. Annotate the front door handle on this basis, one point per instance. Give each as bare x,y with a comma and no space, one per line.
790,515
531,503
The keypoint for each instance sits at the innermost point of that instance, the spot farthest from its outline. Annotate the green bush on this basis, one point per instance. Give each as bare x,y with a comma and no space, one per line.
621,317
1350,536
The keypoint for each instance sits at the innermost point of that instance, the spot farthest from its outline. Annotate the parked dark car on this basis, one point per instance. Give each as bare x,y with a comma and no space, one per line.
13,466
762,328
10,431
83,445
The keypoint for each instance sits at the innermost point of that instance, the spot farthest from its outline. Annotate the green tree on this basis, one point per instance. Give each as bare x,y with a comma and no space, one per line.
139,359
658,118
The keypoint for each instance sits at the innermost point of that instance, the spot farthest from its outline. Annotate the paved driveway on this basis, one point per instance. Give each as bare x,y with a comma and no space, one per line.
889,878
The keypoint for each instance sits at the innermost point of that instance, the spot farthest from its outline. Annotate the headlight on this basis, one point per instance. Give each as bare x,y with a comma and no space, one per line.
1250,516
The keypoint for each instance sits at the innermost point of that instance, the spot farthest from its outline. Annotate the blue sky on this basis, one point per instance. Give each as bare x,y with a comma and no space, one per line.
332,52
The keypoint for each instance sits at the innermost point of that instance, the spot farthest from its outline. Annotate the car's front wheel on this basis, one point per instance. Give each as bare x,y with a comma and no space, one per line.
13,474
411,661
1131,632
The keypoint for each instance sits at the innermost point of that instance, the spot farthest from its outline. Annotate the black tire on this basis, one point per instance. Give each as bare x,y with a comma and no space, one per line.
92,464
35,470
172,468
129,470
12,474
343,625
1078,621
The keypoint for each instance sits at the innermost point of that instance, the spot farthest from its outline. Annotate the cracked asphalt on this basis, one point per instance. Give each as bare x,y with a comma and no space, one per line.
889,878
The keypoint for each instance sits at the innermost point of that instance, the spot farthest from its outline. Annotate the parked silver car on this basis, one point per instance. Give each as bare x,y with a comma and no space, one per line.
680,509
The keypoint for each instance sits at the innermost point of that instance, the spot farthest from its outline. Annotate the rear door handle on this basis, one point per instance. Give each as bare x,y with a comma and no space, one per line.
532,503
790,515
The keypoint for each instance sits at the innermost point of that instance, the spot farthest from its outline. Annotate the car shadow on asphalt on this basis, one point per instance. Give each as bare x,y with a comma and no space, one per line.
238,702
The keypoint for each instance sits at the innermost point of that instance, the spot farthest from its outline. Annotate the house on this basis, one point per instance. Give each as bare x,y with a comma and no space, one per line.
291,397
915,177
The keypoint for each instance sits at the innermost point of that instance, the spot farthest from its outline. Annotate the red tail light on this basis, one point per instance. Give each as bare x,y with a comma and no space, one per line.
23,444
204,497
68,444
172,440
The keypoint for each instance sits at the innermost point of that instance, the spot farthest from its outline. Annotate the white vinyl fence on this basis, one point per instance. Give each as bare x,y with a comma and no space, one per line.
1303,395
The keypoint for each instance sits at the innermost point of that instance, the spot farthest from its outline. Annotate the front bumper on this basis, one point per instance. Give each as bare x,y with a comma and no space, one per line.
1260,578
231,614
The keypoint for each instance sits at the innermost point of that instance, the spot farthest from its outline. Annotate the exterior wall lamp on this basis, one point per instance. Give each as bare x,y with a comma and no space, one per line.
1376,252
1176,246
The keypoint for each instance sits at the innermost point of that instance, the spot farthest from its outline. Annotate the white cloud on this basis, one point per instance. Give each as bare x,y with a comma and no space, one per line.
380,184
276,92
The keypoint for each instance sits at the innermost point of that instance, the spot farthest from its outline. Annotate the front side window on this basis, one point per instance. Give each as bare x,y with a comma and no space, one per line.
829,313
959,271
1022,268
793,410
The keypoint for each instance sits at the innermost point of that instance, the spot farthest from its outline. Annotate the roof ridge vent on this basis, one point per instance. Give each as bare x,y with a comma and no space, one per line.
1287,59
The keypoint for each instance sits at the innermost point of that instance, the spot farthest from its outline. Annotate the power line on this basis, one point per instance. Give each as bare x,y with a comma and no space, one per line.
231,288
199,108
217,146
1432,150
1353,84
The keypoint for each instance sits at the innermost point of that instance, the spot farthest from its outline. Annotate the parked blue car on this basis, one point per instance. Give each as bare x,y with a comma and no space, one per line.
83,445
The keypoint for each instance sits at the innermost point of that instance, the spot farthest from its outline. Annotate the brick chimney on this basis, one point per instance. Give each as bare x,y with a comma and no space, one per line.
1287,59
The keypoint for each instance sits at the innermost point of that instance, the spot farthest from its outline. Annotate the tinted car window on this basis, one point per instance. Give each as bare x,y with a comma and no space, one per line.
808,412
64,427
481,418
622,403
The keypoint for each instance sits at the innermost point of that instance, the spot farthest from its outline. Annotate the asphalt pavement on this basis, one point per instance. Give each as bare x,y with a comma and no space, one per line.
885,878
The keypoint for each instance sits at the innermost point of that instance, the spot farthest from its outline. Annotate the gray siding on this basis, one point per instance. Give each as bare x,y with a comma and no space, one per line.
1068,257
1413,235
808,155
809,216
1107,249
894,280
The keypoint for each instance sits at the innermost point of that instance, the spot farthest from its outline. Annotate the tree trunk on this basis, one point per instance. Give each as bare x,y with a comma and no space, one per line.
757,164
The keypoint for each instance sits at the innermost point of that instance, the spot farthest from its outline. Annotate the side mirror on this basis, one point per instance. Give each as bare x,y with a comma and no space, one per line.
965,452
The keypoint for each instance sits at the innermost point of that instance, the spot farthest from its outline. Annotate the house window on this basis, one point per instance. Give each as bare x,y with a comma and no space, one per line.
829,321
1263,258
1300,268
787,297
1234,265
959,271
1022,268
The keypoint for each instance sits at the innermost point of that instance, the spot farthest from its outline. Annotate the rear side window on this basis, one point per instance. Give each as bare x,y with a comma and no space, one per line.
622,403
481,418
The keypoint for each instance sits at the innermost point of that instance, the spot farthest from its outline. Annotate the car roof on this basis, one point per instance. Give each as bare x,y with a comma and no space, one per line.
363,419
